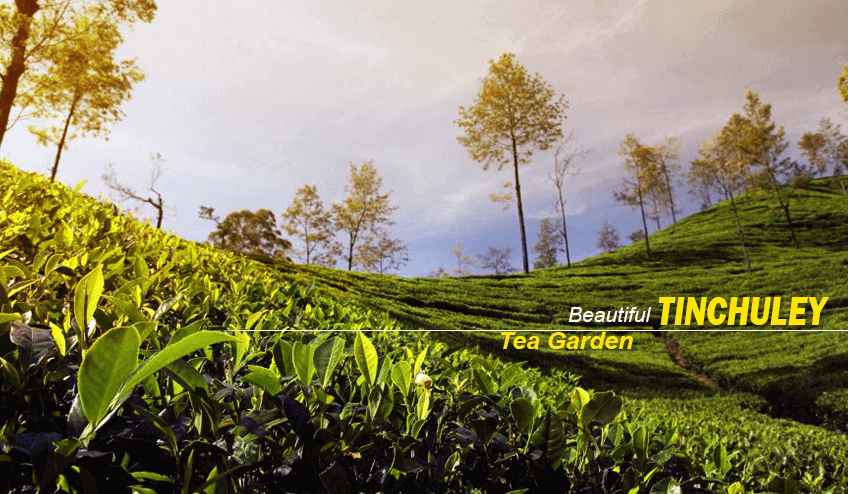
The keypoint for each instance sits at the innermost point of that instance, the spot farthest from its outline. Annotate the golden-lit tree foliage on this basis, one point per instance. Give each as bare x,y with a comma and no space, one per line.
84,86
307,220
642,177
513,115
32,31
842,83
365,208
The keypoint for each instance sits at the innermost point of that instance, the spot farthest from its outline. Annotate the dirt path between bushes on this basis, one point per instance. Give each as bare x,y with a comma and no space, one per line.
675,351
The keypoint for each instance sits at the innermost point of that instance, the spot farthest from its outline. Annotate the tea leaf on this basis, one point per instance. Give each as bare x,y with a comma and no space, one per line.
327,357
522,413
302,360
104,369
180,349
402,376
264,378
366,357
602,408
87,295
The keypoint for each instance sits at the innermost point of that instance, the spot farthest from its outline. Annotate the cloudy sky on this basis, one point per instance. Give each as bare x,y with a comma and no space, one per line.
247,101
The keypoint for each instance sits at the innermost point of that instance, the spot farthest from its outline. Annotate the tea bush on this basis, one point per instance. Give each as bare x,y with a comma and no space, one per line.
132,360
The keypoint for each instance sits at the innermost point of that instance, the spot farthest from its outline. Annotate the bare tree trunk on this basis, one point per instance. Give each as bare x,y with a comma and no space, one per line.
520,210
741,233
564,231
62,140
16,66
160,206
791,225
784,205
642,208
670,194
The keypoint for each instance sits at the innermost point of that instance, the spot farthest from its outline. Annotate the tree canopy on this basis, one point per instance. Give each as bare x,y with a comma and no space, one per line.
608,237
824,149
382,253
307,220
250,232
497,260
842,83
37,36
83,87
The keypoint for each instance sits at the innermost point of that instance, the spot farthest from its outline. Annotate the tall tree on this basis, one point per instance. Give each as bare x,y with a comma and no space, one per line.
608,237
763,144
307,220
84,86
250,232
719,158
512,115
667,156
498,260
547,244
641,174
564,167
812,146
127,193
32,28
659,205
364,210
842,83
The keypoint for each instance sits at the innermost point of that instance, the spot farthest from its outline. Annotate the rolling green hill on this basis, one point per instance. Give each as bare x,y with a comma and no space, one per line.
699,257
121,344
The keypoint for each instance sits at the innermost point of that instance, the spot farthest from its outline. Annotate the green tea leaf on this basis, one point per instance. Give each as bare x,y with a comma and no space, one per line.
327,357
104,369
579,398
87,295
484,381
264,378
380,402
180,349
302,360
640,443
9,317
602,408
720,459
523,413
422,409
419,361
402,376
366,357
549,438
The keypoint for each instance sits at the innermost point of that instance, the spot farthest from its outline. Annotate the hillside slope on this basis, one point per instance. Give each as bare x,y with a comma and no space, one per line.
186,395
699,257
